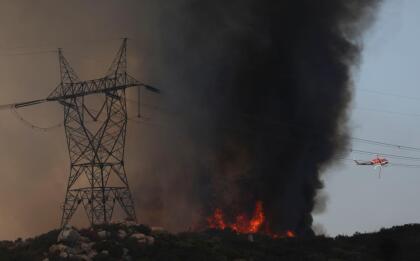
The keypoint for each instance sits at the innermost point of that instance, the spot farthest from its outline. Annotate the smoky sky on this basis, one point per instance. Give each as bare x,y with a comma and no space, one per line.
253,104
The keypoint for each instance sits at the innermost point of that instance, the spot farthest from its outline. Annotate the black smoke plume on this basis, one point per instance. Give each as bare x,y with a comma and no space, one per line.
260,91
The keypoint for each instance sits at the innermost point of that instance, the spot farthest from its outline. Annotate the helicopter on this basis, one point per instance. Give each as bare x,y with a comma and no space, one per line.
377,162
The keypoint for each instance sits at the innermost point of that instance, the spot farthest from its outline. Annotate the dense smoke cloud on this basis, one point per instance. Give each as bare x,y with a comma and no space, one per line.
253,105
265,85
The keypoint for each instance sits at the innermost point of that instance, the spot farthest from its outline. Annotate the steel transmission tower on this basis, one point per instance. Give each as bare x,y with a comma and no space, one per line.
97,177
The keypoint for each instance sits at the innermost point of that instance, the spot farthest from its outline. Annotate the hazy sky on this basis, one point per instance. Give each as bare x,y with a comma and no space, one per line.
358,200
32,175
35,164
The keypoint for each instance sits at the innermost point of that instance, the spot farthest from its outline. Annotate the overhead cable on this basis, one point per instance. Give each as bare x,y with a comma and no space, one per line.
27,53
33,126
384,144
384,154
388,94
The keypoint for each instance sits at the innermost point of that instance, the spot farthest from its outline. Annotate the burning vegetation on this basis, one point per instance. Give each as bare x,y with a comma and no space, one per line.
244,224
398,243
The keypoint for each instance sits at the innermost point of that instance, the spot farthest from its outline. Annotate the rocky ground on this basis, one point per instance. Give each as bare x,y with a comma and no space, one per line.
129,241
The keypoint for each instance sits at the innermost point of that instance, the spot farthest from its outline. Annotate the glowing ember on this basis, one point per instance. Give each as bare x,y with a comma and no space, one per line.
290,233
243,224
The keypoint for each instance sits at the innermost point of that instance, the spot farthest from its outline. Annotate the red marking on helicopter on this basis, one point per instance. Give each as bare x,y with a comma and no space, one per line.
377,162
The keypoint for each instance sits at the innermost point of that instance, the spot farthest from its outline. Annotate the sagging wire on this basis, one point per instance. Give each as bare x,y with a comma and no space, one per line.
31,125
384,144
385,155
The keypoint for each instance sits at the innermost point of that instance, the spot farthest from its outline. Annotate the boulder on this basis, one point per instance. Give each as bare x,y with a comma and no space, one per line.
150,240
158,230
103,234
125,251
81,258
129,223
122,234
138,236
68,235
64,255
84,239
57,249
127,258
86,247
92,254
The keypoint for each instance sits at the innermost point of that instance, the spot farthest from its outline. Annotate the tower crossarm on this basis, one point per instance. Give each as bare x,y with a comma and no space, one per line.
102,85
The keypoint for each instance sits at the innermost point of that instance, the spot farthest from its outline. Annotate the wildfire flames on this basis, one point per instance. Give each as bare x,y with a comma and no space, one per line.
244,224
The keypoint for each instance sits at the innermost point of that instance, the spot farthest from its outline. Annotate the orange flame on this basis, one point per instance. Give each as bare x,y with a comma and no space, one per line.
217,220
290,233
286,234
243,224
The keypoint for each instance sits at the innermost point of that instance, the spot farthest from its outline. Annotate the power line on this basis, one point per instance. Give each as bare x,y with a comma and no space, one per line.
33,126
27,53
59,44
142,121
368,141
145,121
389,112
389,94
405,165
384,144
147,105
384,154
